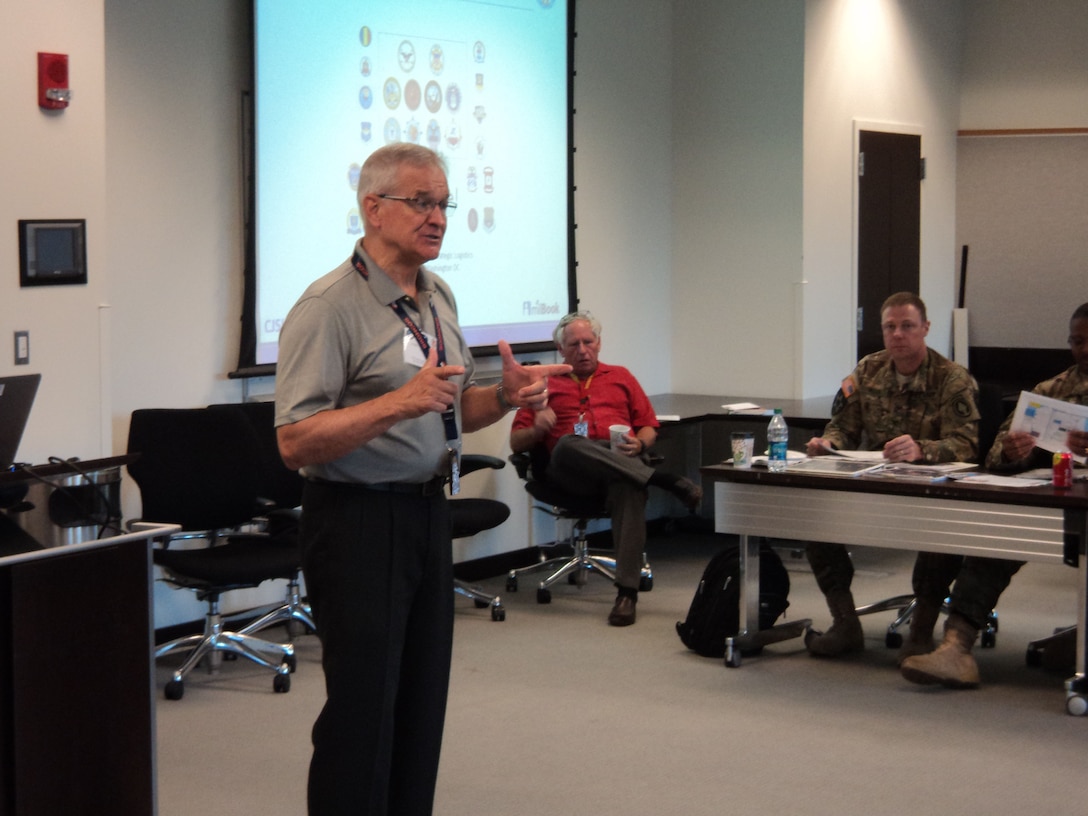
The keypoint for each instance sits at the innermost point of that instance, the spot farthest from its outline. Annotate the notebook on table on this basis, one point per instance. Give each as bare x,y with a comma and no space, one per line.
16,399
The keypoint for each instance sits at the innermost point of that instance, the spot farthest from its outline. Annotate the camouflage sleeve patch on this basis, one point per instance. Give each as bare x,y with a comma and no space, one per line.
848,387
962,407
839,403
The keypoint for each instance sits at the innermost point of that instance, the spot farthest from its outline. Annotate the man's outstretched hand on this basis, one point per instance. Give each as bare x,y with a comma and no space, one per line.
527,386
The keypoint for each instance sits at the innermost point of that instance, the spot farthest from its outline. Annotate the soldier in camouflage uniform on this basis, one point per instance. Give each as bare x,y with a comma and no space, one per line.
916,406
981,581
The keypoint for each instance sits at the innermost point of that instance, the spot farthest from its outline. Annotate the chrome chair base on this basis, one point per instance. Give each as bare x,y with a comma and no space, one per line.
575,568
214,643
293,612
906,604
482,599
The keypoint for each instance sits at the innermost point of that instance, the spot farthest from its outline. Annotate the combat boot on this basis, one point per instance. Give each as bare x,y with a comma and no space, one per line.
920,638
951,664
844,634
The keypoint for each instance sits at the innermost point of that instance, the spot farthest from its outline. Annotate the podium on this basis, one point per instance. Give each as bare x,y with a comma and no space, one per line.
77,675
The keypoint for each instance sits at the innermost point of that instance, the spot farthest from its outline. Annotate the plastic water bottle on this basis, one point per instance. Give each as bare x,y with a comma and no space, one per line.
778,436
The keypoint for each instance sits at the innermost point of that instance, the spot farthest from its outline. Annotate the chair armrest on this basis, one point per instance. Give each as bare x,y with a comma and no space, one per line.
521,462
478,461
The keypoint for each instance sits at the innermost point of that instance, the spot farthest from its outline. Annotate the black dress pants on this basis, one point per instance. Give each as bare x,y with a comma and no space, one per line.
379,575
587,466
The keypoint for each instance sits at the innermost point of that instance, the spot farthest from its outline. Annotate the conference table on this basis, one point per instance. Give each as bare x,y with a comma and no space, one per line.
696,429
1041,524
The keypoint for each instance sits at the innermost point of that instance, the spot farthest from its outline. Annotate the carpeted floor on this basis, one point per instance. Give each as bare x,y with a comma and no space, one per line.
552,711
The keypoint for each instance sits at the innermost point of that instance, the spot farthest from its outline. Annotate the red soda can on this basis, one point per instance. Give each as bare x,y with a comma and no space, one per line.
1063,469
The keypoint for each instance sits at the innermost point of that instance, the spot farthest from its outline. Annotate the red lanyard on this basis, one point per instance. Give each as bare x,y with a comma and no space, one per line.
449,419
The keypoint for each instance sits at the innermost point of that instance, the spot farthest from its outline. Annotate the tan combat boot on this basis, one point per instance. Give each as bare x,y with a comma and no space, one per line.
845,633
952,664
920,638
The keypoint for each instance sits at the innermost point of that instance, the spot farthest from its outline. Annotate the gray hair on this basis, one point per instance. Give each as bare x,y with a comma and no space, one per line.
566,320
380,170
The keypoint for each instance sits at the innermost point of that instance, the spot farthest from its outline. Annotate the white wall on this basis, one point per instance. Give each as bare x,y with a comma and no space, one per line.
893,66
623,172
175,73
1025,65
52,165
737,196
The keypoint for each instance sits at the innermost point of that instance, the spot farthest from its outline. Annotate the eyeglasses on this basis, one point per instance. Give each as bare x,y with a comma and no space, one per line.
423,206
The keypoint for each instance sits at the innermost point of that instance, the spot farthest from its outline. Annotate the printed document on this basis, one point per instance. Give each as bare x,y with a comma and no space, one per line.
1049,420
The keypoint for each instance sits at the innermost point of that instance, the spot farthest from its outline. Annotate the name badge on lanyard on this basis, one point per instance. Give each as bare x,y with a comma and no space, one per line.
417,345
581,427
413,351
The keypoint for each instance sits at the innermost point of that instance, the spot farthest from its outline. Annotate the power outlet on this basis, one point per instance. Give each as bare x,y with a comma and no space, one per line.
22,348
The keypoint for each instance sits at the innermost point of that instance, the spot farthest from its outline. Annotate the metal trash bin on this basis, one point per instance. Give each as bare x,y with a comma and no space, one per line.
70,508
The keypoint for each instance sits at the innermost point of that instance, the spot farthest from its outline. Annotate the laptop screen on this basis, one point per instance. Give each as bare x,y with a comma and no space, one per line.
16,398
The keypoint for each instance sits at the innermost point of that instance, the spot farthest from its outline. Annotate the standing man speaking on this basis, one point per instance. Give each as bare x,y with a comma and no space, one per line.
373,391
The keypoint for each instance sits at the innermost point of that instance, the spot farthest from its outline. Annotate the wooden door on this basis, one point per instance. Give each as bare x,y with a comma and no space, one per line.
890,172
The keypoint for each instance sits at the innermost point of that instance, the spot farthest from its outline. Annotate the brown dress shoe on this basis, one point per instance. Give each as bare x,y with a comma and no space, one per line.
623,612
689,493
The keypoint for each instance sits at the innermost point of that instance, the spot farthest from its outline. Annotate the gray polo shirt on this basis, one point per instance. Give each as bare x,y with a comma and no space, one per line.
341,344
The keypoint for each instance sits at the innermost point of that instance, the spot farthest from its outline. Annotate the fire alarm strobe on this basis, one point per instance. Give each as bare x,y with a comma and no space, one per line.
53,90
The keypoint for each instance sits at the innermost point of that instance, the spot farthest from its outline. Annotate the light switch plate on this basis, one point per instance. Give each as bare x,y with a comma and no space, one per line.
22,348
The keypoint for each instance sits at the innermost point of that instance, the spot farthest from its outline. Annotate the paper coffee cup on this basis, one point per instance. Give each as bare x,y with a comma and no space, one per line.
616,433
743,448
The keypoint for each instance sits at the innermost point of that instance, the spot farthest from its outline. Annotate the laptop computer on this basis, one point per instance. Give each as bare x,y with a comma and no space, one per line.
16,398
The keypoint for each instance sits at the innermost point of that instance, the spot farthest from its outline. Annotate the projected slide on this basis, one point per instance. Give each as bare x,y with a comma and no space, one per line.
485,84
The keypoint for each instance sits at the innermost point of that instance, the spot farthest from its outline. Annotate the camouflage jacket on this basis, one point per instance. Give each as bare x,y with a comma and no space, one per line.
1069,386
937,407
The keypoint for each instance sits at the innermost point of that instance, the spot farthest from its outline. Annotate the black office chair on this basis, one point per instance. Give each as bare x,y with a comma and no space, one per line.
470,516
579,510
196,469
280,494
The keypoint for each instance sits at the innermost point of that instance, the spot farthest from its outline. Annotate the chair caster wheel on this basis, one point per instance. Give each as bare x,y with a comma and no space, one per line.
1076,705
512,584
175,690
543,596
988,639
291,662
645,583
281,683
732,654
893,640
498,613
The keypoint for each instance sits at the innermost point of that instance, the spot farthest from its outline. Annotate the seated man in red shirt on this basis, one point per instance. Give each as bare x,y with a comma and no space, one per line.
574,430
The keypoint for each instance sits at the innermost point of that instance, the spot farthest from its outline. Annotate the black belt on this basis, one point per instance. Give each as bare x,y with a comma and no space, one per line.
429,488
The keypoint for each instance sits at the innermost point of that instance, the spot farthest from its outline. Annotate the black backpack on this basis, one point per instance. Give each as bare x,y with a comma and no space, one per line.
714,614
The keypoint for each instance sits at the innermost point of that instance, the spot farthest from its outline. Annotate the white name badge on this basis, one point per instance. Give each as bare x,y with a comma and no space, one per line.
413,354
